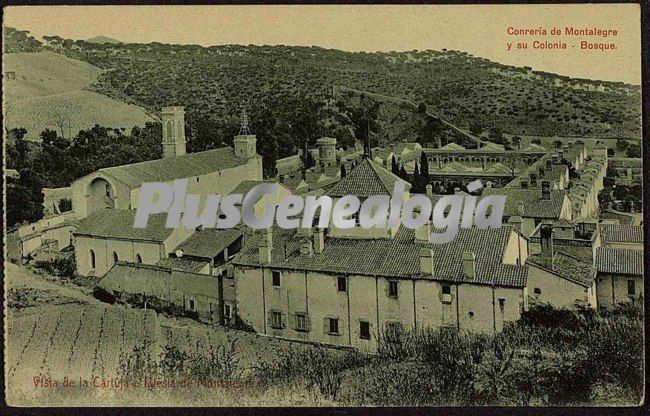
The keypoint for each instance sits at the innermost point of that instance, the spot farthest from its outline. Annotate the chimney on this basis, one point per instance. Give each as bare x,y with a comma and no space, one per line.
469,265
264,251
515,221
426,261
268,234
546,190
520,208
546,240
429,189
306,248
422,234
319,240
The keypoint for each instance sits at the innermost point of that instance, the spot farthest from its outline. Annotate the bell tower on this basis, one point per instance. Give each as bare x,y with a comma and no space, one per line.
173,119
245,142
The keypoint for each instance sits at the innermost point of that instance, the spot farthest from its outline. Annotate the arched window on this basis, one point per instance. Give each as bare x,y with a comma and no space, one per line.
115,258
92,259
168,129
138,258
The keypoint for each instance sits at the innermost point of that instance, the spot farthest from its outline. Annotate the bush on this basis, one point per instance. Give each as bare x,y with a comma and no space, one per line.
60,266
102,295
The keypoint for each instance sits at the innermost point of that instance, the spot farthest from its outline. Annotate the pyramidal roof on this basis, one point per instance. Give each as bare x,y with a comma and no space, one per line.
367,179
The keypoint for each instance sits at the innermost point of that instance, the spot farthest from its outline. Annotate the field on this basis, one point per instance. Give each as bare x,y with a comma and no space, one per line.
51,91
57,331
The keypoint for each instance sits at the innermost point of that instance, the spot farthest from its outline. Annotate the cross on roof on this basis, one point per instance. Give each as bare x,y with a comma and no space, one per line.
243,130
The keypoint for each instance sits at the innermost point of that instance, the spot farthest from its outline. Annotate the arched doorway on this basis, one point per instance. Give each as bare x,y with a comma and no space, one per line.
138,259
92,260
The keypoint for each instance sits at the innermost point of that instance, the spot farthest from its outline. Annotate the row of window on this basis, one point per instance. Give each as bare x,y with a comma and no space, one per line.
342,285
93,259
302,323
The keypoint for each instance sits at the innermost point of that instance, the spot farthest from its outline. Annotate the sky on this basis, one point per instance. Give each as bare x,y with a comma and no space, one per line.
477,29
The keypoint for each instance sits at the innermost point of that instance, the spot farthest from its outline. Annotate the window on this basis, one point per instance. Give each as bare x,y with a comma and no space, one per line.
227,311
502,303
392,289
191,305
364,330
446,290
108,191
276,320
342,284
92,259
115,258
333,326
537,291
276,278
630,287
138,258
301,322
471,314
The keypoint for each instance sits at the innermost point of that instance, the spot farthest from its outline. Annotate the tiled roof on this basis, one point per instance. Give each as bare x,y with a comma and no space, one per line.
118,223
619,260
209,242
187,265
397,257
498,168
534,205
534,147
567,267
245,186
175,167
452,146
562,223
621,233
492,146
365,180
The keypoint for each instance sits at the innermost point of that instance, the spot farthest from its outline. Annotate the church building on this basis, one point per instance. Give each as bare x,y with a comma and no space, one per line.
211,171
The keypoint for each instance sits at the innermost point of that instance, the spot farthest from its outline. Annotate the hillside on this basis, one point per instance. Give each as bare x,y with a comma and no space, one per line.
50,90
214,81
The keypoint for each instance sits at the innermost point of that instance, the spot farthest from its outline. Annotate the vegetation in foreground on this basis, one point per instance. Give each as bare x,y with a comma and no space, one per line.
550,357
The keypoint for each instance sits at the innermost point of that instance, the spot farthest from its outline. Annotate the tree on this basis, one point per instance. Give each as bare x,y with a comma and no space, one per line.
634,150
476,128
394,167
307,158
496,136
424,169
403,174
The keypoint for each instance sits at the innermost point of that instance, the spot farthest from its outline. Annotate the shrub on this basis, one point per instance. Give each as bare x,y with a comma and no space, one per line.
59,266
